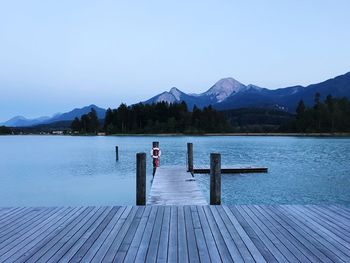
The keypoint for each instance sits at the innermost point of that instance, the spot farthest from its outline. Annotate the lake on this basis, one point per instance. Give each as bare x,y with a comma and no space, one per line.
81,170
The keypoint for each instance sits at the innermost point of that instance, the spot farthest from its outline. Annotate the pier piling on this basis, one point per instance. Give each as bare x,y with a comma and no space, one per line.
141,179
116,153
215,179
190,157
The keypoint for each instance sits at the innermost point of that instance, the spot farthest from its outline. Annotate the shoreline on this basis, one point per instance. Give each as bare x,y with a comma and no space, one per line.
276,134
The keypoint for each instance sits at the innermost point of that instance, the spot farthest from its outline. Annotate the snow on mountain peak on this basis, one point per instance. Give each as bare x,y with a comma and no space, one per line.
166,97
176,93
225,88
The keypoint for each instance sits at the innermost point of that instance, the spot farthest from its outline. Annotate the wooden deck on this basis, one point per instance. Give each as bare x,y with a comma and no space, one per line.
175,234
175,186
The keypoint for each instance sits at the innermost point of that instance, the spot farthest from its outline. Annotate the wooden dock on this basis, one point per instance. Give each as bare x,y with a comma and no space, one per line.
231,170
175,186
249,233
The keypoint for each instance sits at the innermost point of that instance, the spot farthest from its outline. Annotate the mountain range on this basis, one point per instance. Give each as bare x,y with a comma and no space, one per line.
20,121
225,94
229,93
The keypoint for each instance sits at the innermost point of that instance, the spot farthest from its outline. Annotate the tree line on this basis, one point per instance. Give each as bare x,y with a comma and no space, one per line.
88,123
5,130
331,115
163,117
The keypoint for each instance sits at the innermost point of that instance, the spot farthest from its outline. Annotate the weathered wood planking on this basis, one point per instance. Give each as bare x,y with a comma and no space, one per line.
175,186
241,233
232,170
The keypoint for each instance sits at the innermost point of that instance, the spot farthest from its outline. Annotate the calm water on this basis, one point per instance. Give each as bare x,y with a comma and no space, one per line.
64,170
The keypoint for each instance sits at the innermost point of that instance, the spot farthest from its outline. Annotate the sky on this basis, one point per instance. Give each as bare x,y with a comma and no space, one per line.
59,55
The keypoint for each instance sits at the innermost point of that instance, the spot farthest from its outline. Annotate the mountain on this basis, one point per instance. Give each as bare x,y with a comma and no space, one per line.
217,93
20,121
228,93
78,112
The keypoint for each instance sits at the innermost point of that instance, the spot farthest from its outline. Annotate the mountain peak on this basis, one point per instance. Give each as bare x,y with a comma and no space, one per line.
224,88
176,93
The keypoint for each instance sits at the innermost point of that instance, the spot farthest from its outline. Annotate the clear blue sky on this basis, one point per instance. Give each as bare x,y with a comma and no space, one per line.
57,55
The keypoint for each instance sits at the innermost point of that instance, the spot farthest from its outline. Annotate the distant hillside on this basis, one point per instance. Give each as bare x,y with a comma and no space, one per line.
257,119
21,121
228,93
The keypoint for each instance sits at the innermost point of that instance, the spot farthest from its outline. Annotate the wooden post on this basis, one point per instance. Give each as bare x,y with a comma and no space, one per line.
116,153
190,157
141,179
215,179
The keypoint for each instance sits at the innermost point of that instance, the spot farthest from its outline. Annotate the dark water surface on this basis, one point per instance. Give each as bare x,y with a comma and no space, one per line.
65,170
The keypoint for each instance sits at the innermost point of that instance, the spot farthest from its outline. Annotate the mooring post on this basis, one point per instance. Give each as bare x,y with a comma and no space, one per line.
141,179
215,179
155,144
116,153
190,157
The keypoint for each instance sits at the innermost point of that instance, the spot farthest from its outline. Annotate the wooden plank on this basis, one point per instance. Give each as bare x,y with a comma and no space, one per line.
173,233
242,248
104,247
84,234
266,247
135,243
78,256
8,210
332,222
199,236
103,236
309,248
283,244
181,235
124,246
155,237
230,243
39,250
175,186
15,240
16,219
14,233
293,245
12,213
327,215
43,232
312,231
343,245
55,253
305,233
190,236
226,214
164,236
208,236
219,240
146,237
337,210
109,255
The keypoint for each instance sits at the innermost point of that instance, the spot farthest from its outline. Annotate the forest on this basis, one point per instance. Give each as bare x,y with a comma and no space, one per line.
164,118
5,130
331,115
87,124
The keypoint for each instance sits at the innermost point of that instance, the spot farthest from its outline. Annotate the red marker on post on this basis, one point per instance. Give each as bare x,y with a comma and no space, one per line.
155,153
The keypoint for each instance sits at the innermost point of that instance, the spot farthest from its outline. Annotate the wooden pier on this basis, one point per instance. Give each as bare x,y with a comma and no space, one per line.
175,186
249,233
